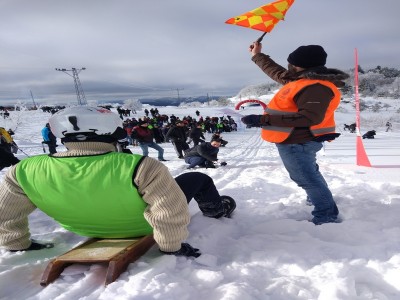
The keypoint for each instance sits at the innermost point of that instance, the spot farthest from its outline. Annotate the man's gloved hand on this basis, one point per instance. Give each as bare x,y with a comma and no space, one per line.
256,120
186,250
223,163
252,120
36,246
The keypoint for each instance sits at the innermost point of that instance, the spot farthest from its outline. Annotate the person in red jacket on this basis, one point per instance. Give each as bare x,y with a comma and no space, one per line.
300,117
144,135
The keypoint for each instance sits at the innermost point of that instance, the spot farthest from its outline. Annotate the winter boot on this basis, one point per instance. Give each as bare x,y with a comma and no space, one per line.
229,206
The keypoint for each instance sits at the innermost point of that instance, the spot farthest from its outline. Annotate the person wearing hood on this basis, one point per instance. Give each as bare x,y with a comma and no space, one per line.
300,117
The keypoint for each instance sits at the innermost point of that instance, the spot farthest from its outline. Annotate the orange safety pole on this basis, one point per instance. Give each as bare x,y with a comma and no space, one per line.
362,157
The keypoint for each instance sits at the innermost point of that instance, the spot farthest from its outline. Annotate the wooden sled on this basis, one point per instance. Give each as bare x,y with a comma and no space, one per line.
117,253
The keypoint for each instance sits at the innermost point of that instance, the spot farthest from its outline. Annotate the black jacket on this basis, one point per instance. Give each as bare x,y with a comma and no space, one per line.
205,150
196,134
177,134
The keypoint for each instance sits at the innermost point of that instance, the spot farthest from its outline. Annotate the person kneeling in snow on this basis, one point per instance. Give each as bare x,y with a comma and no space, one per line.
203,155
369,134
94,191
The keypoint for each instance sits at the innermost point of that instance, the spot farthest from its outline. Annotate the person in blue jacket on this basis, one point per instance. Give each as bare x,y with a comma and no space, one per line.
49,138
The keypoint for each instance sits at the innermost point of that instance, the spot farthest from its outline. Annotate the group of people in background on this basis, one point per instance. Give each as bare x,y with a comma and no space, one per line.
185,133
146,132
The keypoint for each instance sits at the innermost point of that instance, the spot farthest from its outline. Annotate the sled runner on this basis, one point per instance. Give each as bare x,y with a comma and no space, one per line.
117,253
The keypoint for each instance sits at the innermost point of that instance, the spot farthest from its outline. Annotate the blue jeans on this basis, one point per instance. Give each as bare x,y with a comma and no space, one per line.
195,161
145,149
300,161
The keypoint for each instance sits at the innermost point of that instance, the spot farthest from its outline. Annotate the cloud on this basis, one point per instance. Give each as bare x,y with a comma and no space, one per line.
127,46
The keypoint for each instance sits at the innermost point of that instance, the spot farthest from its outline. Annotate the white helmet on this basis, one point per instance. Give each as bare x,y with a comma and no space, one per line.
82,121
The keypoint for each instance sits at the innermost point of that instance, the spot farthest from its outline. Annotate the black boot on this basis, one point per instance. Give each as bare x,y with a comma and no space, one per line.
229,206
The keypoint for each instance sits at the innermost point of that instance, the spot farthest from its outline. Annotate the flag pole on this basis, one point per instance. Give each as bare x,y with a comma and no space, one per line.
259,40
362,157
261,37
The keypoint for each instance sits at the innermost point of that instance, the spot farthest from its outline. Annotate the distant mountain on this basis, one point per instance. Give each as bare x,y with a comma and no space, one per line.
167,101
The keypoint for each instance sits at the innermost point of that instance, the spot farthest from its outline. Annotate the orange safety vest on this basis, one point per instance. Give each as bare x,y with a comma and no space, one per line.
283,103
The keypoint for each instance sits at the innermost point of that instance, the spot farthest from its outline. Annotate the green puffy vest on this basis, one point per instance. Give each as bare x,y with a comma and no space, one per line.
91,196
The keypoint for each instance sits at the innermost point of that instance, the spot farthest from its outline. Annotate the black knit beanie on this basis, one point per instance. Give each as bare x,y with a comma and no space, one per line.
308,56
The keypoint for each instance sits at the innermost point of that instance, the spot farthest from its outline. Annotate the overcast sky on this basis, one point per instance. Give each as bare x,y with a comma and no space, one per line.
138,48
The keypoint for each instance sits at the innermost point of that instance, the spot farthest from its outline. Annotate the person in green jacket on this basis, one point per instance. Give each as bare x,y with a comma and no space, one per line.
94,191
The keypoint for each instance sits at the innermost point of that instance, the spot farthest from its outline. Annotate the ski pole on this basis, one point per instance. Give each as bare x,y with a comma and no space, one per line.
21,150
44,150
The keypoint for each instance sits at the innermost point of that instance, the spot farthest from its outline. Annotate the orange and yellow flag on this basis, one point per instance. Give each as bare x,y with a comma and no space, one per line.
263,18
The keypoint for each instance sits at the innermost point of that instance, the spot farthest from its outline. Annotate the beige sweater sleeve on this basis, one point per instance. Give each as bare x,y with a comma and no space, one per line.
14,210
167,211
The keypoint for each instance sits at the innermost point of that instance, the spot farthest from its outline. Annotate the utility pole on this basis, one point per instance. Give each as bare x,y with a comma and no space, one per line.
177,90
34,104
78,87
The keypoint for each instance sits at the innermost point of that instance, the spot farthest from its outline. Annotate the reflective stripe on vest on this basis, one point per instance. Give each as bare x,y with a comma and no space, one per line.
92,196
283,104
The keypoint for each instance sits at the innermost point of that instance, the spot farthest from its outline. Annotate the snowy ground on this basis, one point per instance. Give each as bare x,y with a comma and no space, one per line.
268,250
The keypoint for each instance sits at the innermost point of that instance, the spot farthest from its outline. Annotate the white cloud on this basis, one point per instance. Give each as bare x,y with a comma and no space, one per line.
177,43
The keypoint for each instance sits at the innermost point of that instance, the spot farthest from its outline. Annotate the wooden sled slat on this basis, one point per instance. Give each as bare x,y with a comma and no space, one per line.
117,253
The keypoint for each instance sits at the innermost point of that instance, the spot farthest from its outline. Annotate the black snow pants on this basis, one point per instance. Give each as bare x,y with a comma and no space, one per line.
201,187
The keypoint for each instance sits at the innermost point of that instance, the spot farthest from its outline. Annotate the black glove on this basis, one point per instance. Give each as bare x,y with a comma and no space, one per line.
255,120
36,246
224,163
186,250
252,120
326,137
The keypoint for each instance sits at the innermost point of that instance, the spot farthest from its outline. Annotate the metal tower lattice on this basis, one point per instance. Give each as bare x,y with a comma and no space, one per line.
78,87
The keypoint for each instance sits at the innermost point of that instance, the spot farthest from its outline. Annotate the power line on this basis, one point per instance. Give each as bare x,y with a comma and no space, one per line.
78,87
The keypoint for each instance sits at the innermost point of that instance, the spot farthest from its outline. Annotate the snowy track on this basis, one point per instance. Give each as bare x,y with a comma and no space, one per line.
268,250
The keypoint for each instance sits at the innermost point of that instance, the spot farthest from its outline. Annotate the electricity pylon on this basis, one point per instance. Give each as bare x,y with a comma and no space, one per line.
78,87
178,89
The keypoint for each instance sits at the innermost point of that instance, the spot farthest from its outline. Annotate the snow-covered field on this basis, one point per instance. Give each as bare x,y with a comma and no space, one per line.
268,250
